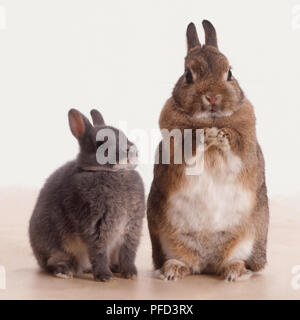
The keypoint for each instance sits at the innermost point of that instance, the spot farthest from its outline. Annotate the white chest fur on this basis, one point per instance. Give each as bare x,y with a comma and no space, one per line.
212,201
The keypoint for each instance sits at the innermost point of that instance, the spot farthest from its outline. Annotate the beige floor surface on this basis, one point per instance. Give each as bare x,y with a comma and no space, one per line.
25,281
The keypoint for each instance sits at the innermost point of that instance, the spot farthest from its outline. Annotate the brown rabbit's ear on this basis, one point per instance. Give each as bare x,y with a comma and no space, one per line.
76,123
97,118
210,34
192,37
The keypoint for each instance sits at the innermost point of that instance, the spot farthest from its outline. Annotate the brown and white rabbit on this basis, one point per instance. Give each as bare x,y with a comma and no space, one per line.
215,222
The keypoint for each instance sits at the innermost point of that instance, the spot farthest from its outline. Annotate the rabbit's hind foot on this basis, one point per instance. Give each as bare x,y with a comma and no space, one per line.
62,265
235,271
174,269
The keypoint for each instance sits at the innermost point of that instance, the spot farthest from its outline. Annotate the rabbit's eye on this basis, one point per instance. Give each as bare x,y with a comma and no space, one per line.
229,76
188,76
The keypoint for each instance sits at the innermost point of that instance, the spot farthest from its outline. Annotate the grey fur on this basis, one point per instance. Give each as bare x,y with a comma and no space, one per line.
88,217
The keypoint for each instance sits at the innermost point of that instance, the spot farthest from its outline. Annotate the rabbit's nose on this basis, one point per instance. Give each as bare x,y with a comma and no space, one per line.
211,99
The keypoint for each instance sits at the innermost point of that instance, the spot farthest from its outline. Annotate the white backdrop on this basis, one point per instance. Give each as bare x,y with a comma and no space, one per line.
124,58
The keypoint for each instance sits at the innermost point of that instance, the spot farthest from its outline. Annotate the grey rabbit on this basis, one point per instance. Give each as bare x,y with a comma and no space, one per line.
88,216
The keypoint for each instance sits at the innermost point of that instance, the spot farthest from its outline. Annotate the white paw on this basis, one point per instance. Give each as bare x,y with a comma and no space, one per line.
235,276
210,134
222,140
64,275
174,270
214,136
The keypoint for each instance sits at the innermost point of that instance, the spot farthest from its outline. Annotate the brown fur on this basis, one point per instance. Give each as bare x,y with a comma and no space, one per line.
233,117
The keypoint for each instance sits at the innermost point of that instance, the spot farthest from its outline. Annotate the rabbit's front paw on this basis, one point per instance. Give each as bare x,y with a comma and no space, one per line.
216,137
223,139
210,136
174,269
103,275
129,272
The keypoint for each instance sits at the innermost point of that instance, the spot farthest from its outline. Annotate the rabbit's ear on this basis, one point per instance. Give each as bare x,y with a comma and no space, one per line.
78,123
97,118
192,37
210,34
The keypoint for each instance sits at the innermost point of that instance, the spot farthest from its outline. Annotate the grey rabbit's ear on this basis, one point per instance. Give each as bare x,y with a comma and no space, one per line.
192,37
210,34
78,123
97,118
